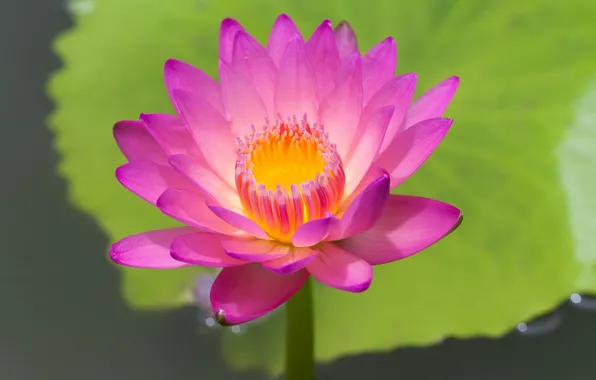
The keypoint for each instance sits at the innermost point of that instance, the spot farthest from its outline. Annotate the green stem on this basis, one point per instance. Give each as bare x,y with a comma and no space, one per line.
300,335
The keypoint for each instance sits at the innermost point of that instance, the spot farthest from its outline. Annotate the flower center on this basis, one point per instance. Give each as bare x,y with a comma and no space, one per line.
287,174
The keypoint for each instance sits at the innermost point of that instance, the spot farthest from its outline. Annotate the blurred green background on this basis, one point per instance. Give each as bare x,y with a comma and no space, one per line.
520,162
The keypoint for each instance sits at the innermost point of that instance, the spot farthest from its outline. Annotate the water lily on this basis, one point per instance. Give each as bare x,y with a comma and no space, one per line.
282,169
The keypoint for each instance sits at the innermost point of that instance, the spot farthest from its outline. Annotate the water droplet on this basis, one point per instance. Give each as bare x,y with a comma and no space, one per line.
584,302
206,323
238,329
541,325
80,7
210,322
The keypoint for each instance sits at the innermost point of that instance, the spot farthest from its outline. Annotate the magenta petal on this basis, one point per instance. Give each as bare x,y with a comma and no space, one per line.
239,221
182,76
373,174
282,32
397,92
345,39
364,211
241,294
244,105
432,103
378,67
149,249
170,133
409,225
340,111
312,232
340,269
149,180
412,147
366,148
136,143
190,208
227,33
204,179
202,248
322,53
293,261
253,61
210,131
254,250
295,88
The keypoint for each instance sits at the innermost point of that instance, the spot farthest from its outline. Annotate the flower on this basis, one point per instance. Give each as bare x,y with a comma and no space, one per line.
283,169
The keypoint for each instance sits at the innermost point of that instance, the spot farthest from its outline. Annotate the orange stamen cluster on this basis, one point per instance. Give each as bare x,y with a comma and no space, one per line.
288,174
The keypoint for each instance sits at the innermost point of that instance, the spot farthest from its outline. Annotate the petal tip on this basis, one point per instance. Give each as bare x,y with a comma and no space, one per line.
229,22
283,17
220,318
170,64
460,220
120,173
114,253
450,84
410,77
389,41
144,118
359,288
122,125
344,25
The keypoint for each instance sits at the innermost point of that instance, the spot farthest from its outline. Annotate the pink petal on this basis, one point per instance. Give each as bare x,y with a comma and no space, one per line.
282,32
136,143
254,250
210,132
412,147
364,211
202,248
227,33
253,61
340,269
148,249
182,76
409,225
312,232
241,294
345,39
372,175
397,92
190,208
322,53
293,261
378,66
432,103
244,105
295,88
340,111
239,221
170,133
204,179
367,146
149,180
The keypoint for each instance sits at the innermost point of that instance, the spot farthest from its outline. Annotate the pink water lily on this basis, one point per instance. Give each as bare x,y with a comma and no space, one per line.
283,169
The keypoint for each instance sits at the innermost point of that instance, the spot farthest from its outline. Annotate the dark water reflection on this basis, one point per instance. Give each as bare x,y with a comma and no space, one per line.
61,314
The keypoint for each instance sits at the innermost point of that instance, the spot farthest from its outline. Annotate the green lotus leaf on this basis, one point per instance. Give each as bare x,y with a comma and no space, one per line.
506,162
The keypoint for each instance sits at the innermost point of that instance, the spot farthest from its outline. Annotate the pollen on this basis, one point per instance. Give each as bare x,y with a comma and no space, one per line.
287,174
